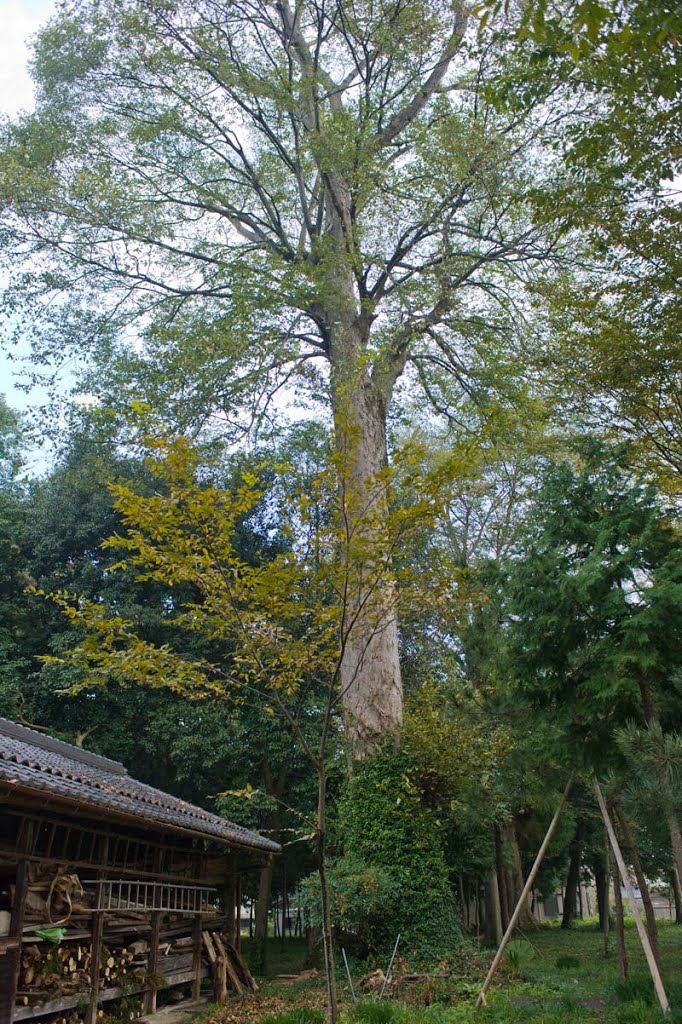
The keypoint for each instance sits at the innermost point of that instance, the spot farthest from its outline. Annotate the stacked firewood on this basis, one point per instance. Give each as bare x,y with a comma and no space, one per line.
47,972
175,956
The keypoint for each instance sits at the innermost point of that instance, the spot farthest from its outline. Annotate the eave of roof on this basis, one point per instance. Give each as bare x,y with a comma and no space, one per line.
36,763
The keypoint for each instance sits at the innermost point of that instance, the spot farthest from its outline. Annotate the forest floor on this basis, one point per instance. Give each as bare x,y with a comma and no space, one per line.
567,978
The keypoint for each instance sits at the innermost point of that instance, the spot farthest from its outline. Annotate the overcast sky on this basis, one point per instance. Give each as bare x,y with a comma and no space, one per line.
19,19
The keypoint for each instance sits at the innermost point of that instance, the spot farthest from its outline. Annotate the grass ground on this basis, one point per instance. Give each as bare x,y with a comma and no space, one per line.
565,978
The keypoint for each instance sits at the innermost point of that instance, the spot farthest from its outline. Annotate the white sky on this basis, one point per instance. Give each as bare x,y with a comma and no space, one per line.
19,19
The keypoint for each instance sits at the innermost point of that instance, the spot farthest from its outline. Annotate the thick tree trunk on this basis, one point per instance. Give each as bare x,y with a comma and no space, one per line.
527,918
573,877
629,839
370,678
599,872
493,916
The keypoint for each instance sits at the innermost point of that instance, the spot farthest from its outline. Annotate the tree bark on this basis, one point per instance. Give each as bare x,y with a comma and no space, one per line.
370,677
573,877
493,916
599,873
675,842
677,894
527,918
629,839
501,875
620,924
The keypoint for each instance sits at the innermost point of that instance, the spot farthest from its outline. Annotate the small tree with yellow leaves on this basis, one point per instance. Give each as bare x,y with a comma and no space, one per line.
272,633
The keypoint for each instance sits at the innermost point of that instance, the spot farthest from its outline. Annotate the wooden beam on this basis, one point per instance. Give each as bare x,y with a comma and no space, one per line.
643,937
524,895
196,964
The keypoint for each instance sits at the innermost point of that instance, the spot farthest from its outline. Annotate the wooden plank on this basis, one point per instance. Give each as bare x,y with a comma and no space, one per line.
229,966
210,949
241,964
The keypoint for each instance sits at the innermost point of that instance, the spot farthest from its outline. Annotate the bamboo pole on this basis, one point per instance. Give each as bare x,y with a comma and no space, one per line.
644,938
524,895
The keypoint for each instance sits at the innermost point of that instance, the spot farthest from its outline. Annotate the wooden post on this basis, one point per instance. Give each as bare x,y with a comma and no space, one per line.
16,926
95,964
96,942
524,894
196,960
230,897
644,938
238,912
153,963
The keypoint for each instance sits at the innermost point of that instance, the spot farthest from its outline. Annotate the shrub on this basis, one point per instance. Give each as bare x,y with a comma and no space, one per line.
393,877
517,955
639,988
567,963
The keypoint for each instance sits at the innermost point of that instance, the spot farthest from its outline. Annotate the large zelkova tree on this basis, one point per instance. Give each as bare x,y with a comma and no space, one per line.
254,190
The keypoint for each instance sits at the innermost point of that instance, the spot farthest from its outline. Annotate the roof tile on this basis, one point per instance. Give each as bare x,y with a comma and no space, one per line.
33,760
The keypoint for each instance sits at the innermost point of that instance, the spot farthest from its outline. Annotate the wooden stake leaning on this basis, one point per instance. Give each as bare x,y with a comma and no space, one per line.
524,895
644,938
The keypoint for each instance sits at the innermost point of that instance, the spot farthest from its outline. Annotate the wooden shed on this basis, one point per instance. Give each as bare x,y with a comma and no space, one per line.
112,893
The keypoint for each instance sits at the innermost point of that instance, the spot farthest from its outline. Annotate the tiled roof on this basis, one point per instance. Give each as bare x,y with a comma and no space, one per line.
31,760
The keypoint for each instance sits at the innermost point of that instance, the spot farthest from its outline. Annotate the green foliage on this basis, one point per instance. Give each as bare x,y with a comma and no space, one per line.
595,599
567,962
373,1011
386,824
305,1015
517,954
364,897
638,988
